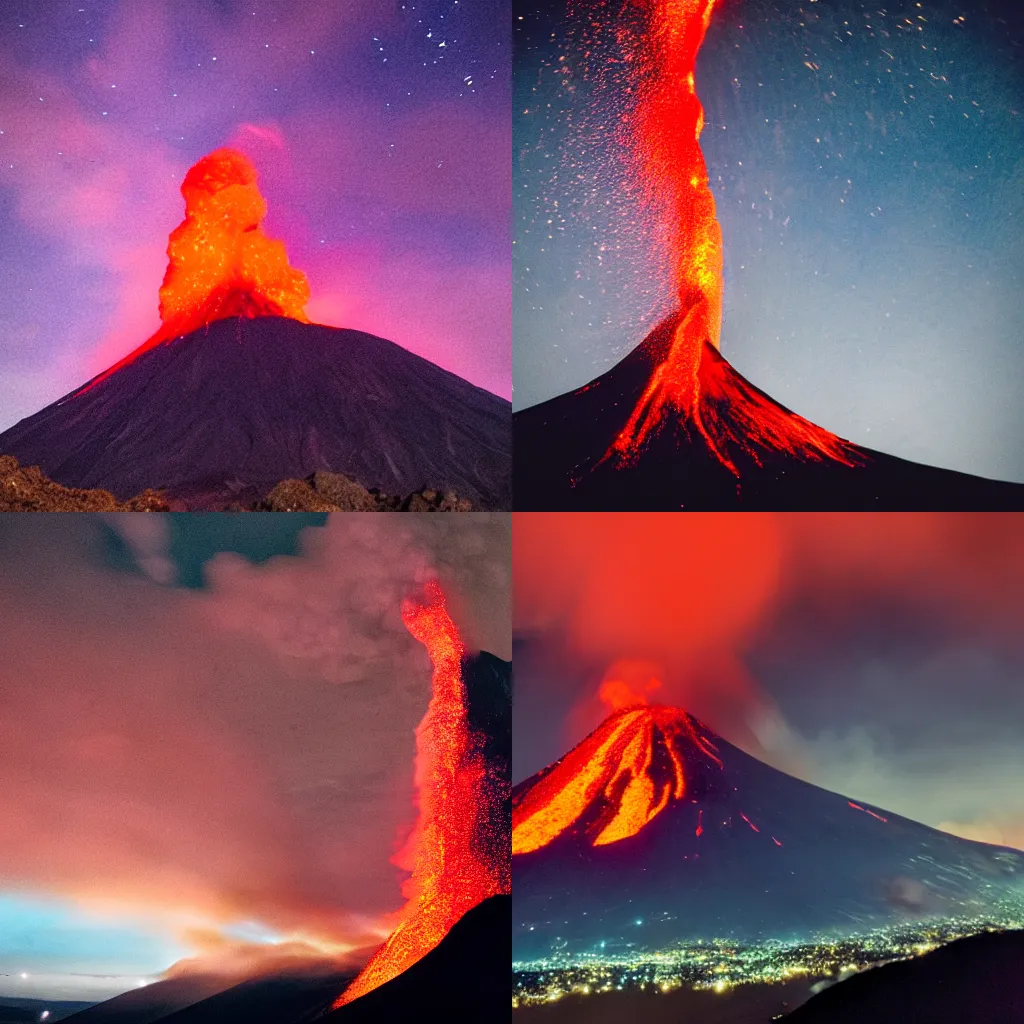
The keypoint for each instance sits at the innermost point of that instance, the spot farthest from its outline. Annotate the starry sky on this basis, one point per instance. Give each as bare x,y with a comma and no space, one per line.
876,655
207,741
866,162
379,128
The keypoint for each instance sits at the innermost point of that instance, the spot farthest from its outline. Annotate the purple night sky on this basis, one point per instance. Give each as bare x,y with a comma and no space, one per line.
380,130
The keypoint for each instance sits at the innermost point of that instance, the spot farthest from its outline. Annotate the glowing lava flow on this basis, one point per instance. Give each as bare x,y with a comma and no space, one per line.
866,810
619,778
221,262
674,179
665,139
450,873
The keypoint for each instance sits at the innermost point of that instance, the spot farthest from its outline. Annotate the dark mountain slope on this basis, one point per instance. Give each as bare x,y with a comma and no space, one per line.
276,999
292,997
710,842
153,1002
466,977
225,413
560,446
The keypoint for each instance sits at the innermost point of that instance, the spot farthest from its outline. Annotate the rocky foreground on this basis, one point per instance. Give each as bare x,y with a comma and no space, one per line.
27,489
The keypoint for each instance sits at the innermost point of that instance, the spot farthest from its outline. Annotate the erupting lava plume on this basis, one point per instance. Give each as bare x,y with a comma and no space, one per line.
665,139
618,779
221,262
450,873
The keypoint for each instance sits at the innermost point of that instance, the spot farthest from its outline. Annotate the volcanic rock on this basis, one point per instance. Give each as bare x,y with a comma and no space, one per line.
333,492
344,493
26,489
296,496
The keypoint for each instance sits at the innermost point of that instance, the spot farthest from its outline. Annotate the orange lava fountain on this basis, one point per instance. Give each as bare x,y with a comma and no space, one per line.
450,874
665,139
221,263
627,683
621,777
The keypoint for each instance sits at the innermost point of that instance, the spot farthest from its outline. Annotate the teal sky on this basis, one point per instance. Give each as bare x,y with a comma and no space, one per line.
195,539
50,948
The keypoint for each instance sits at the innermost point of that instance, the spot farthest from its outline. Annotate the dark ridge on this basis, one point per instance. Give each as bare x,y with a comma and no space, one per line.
289,997
152,1002
224,414
977,980
15,1010
559,446
488,682
277,999
465,978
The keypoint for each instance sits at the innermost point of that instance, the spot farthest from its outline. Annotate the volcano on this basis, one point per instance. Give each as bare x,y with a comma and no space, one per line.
222,414
745,452
654,832
457,852
237,391
673,426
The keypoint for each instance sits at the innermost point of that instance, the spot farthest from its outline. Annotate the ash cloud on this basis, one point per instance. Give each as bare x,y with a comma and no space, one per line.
618,586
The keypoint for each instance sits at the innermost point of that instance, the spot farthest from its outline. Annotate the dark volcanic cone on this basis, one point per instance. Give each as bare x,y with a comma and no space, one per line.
225,413
655,831
743,451
464,978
